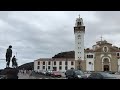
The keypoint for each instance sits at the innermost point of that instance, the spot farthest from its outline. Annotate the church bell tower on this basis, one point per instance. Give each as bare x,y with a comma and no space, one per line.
79,31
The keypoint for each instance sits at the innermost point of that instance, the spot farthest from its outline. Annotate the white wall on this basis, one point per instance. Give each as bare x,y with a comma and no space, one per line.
35,66
89,67
80,45
63,66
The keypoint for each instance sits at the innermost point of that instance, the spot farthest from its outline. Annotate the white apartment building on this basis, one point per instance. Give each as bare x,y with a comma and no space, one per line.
56,64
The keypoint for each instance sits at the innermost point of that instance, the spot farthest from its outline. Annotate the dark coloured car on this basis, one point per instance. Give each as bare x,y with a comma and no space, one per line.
75,74
48,73
101,75
3,77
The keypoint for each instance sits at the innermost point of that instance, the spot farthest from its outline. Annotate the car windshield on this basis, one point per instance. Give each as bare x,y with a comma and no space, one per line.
106,75
78,72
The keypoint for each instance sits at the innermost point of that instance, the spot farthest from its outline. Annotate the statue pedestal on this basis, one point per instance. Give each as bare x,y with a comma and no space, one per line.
10,73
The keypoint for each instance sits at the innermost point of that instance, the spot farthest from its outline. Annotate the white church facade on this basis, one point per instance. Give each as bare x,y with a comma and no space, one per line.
101,57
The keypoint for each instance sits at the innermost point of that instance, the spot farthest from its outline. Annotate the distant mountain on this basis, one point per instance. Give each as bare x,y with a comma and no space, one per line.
69,54
27,66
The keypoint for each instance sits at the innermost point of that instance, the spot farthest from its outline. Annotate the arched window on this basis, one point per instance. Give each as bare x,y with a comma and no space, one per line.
78,23
105,49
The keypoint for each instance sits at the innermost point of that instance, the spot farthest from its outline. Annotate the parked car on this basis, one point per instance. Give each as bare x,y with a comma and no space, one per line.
111,72
75,74
101,75
48,73
56,74
2,76
43,72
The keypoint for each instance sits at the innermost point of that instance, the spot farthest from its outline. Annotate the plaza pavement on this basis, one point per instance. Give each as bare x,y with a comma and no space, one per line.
27,76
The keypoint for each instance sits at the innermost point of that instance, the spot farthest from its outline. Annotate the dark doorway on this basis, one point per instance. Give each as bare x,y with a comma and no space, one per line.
106,67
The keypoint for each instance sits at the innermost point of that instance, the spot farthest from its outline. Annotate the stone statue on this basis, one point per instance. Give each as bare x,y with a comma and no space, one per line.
14,62
8,56
10,73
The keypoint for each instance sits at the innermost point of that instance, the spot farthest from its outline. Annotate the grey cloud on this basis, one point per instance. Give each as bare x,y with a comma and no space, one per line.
108,26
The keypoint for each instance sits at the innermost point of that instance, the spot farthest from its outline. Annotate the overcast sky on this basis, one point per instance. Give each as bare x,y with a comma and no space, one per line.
42,34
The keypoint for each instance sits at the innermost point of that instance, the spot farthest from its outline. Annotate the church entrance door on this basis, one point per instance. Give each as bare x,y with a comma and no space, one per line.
106,67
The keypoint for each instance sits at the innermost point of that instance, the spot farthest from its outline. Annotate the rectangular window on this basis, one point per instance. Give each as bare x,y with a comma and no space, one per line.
49,63
78,47
43,63
72,63
66,63
48,67
38,67
87,56
38,63
43,67
117,54
78,52
91,56
60,67
66,67
60,63
54,62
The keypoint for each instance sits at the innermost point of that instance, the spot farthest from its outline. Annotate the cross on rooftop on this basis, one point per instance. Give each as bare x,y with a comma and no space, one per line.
101,37
79,15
